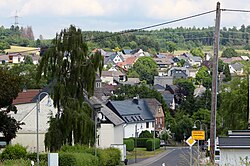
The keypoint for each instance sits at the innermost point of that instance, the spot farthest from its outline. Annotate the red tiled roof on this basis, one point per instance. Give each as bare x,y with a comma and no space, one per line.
26,97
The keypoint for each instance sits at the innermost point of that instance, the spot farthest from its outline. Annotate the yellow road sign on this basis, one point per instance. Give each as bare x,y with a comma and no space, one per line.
198,134
190,141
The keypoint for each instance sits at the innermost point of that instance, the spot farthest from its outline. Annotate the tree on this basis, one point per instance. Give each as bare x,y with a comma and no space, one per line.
229,52
9,90
227,73
171,47
73,69
203,77
146,67
145,134
234,104
28,60
197,52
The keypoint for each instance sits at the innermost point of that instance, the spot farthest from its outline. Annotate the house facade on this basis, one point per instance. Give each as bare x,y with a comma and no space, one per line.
235,149
27,109
139,115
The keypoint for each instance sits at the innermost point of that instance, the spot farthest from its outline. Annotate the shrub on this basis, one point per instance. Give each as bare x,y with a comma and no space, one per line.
76,148
77,159
109,156
129,144
141,142
33,156
67,159
145,134
150,144
14,152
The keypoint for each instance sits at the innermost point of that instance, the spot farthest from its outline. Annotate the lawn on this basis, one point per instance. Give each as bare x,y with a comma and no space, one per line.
143,153
20,48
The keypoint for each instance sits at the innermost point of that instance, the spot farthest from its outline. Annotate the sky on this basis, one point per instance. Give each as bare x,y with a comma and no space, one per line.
48,17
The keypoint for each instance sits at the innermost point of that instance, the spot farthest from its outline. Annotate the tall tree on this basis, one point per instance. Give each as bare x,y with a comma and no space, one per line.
73,69
197,52
234,104
8,92
146,68
171,47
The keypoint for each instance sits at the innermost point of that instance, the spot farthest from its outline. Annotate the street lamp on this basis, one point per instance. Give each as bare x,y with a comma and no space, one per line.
37,126
97,108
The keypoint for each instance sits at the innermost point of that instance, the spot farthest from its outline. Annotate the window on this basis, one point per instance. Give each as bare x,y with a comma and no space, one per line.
160,120
147,124
98,84
153,124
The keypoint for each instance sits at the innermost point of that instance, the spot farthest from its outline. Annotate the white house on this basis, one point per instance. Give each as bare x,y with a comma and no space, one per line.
235,149
236,68
138,115
27,109
110,126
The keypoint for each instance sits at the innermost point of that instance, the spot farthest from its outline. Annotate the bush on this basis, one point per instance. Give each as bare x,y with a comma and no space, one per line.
109,156
141,142
129,144
33,156
67,159
14,152
76,148
145,134
20,162
77,159
150,144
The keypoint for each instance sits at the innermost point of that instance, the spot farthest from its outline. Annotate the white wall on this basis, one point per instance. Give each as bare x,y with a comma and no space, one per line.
231,157
27,114
109,134
109,80
129,129
28,140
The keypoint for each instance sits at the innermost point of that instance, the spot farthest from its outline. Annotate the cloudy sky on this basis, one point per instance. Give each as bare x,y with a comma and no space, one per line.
50,16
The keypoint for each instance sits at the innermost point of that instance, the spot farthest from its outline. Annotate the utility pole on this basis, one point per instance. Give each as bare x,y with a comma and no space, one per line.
249,102
215,83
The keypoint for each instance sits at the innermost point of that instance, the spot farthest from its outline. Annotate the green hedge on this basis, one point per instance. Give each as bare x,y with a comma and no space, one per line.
130,144
150,145
33,156
77,159
109,156
12,152
141,142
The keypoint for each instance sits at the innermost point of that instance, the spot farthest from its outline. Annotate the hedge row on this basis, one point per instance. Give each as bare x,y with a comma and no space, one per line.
69,155
129,144
150,144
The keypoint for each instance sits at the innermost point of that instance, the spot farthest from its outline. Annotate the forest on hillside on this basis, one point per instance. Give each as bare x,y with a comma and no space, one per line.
152,41
156,40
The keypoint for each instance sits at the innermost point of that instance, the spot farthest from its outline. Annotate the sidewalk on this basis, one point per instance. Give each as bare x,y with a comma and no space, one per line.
148,161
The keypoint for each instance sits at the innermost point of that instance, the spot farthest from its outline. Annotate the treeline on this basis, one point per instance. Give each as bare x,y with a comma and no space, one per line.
21,36
155,40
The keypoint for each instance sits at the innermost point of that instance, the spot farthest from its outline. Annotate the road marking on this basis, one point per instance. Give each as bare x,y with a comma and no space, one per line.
163,164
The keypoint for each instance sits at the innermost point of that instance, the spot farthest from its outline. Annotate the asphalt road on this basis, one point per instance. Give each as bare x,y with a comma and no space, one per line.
176,157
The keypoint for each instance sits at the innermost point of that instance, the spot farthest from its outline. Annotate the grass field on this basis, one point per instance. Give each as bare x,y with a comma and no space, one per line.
143,153
19,49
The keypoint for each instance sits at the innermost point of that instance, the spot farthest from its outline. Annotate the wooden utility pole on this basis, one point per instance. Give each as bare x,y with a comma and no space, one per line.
249,102
215,84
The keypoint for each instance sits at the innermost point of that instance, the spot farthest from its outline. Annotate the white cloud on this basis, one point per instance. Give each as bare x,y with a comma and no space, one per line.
62,8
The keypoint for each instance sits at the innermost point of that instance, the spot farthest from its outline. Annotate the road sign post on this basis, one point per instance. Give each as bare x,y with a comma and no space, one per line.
190,141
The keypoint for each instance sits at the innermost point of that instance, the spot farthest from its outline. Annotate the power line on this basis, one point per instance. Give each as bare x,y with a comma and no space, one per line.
152,26
236,10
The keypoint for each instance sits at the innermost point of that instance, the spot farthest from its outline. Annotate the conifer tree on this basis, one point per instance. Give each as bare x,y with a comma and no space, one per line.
72,69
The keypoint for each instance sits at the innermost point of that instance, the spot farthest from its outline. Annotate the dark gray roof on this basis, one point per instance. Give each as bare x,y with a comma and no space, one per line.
234,142
131,111
108,113
168,97
237,66
159,87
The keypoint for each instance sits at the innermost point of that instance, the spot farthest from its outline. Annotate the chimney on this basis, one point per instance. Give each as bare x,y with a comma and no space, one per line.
136,99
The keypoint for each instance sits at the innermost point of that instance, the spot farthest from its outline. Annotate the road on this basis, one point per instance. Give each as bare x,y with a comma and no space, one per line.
176,157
